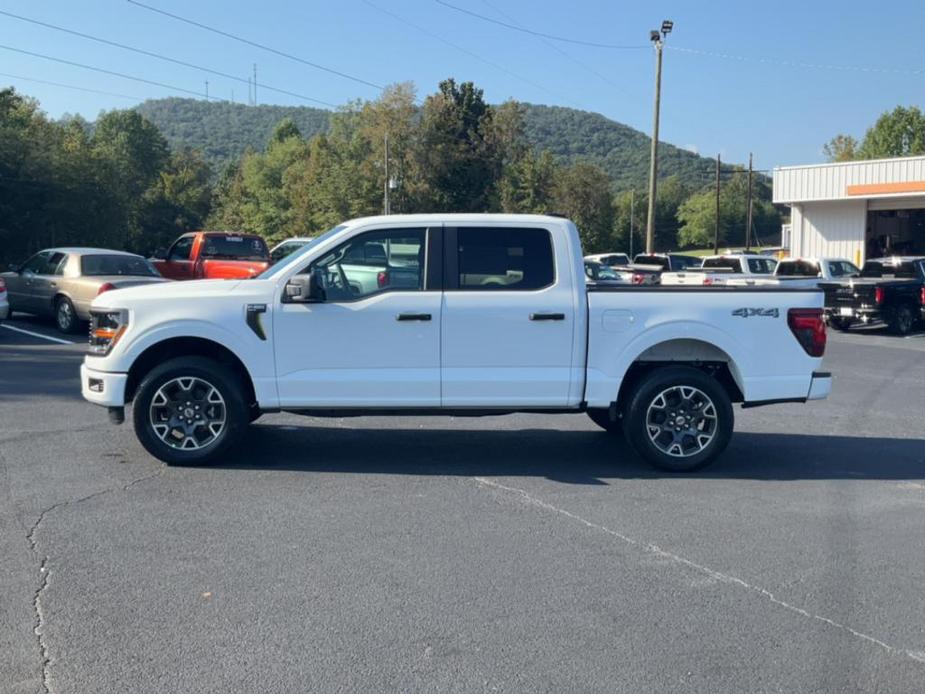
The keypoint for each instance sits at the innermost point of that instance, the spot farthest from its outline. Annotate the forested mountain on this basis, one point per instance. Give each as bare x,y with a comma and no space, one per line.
222,131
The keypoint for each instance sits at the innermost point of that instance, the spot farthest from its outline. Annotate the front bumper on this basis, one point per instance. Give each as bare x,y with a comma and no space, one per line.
820,386
102,388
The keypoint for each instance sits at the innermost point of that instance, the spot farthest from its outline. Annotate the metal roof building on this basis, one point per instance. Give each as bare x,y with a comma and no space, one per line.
855,210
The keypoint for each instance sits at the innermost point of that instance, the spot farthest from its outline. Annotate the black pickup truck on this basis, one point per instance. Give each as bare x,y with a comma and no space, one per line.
888,289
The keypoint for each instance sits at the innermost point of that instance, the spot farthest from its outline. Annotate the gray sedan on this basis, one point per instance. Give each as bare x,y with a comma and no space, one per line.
61,282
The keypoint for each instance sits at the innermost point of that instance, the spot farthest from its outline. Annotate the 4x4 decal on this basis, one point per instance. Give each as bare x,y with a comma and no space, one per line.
761,312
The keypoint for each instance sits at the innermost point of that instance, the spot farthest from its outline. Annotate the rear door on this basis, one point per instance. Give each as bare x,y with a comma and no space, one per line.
508,318
45,283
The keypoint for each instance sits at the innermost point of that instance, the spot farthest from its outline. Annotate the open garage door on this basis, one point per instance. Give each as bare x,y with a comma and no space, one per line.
895,227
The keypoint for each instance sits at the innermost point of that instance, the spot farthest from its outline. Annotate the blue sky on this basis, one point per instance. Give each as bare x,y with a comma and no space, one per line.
770,94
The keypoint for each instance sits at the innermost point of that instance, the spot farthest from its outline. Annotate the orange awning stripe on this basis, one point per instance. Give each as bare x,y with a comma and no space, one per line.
887,188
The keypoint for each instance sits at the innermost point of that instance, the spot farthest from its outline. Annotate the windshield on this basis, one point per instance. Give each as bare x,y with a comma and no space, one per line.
761,266
99,265
233,247
293,258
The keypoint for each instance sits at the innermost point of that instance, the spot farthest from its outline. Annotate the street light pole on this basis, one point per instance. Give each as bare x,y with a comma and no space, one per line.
658,38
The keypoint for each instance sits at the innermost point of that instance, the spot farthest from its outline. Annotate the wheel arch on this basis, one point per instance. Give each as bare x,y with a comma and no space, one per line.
188,346
693,352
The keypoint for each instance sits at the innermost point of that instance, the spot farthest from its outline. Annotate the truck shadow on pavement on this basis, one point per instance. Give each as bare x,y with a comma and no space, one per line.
573,457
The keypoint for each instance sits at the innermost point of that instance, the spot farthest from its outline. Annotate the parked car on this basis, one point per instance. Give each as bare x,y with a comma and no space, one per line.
611,259
813,271
888,289
287,247
4,301
213,255
598,272
721,269
499,320
61,282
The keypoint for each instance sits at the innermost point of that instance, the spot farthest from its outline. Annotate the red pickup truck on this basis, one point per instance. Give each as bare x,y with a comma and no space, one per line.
213,255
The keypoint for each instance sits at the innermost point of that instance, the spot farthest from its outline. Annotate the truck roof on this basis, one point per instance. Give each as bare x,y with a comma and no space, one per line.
460,217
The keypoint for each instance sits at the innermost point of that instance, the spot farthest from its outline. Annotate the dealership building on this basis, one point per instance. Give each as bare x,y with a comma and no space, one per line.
854,210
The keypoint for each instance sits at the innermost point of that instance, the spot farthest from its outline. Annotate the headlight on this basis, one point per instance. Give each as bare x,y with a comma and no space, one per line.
106,328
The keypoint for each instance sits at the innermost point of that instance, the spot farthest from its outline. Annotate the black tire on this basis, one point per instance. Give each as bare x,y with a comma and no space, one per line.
843,324
690,451
601,417
172,376
66,316
901,320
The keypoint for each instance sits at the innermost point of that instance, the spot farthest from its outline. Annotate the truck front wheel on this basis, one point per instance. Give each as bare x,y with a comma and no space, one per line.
189,411
679,419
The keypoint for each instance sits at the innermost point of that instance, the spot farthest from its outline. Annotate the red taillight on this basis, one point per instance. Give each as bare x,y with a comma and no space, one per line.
105,287
2,285
707,281
638,278
921,295
382,279
878,295
808,327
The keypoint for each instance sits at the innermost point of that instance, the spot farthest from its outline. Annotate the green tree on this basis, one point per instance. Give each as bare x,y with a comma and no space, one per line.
455,160
528,184
897,133
583,193
841,148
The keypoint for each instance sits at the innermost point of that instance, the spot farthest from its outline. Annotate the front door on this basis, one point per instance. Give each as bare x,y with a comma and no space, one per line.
45,282
375,340
178,265
508,319
21,286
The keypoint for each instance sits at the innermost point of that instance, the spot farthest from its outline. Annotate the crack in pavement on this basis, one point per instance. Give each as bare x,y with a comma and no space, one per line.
38,627
718,576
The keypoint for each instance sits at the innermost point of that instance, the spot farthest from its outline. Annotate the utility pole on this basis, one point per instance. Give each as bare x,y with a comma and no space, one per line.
207,90
632,219
748,207
255,84
387,205
716,225
658,38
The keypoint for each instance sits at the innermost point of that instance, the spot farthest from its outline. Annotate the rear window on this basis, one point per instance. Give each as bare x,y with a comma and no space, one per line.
842,268
874,268
682,262
617,259
98,265
505,259
797,268
659,260
233,247
733,264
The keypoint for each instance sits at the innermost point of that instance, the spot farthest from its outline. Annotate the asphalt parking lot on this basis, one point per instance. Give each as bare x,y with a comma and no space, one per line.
521,553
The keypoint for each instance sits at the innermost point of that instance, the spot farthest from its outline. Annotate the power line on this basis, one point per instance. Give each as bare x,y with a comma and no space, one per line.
159,56
551,37
558,50
257,45
797,63
106,72
70,86
459,48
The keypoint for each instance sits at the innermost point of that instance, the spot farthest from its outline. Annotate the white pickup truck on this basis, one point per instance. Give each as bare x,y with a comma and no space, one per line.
498,319
743,268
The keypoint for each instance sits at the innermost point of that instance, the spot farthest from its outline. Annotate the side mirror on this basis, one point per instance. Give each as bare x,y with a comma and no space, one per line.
305,289
160,254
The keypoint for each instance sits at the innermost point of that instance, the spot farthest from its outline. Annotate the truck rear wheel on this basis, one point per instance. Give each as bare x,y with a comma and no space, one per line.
679,419
189,411
901,320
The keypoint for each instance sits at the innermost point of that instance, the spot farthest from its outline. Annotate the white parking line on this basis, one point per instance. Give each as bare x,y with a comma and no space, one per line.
39,335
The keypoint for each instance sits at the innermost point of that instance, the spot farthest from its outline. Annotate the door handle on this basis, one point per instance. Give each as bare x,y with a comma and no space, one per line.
413,316
547,316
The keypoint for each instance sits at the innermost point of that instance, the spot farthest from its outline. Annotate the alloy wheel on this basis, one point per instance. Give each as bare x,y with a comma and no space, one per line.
681,421
188,413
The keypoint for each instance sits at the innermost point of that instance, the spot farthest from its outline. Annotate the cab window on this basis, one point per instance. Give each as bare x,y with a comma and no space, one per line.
490,259
181,249
372,263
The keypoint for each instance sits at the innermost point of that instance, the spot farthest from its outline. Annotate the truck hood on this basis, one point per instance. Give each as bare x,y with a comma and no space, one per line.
164,291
